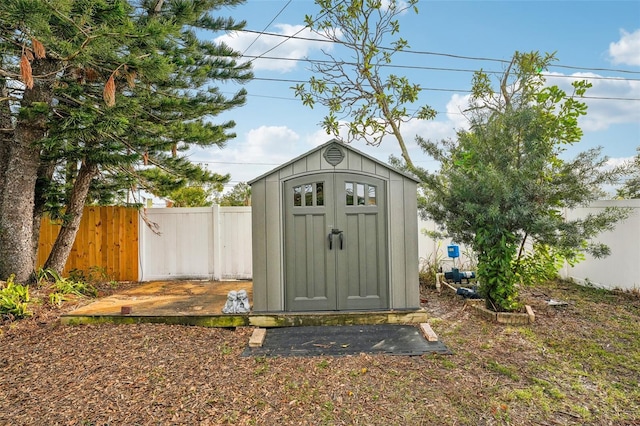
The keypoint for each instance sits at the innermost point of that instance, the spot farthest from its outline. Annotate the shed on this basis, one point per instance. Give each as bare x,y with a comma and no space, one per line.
334,230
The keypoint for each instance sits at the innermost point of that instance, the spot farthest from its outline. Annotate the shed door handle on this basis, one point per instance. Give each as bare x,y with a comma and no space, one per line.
333,232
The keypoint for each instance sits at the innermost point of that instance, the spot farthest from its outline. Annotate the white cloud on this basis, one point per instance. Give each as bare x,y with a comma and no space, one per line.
318,137
616,162
273,142
401,5
626,51
287,50
603,113
248,156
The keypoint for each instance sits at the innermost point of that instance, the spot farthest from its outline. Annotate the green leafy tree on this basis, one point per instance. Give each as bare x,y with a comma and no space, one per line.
191,189
373,103
631,188
503,183
240,195
191,196
93,92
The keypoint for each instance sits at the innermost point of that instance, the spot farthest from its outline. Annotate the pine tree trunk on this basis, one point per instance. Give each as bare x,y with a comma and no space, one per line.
45,174
22,159
63,244
6,134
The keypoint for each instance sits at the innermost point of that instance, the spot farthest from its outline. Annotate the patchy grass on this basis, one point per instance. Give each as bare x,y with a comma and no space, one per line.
578,364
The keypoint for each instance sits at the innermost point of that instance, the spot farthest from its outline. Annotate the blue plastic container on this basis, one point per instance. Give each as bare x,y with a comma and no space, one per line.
453,251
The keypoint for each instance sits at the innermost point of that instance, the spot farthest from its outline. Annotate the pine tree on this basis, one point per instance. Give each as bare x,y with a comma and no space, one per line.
106,89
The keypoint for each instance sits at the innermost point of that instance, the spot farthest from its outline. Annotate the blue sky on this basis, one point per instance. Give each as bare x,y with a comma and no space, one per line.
601,38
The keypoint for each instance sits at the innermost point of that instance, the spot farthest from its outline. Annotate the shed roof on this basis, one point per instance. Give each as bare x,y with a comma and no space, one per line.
343,145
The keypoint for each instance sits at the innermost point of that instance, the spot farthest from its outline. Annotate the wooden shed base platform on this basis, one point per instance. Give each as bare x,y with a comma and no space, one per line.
200,303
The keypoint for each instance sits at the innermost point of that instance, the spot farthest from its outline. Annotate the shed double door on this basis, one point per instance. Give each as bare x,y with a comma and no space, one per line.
335,243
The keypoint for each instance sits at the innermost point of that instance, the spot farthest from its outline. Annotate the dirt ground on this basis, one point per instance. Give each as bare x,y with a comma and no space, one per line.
578,364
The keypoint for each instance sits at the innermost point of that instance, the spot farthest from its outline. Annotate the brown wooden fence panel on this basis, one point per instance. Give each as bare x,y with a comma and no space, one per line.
107,241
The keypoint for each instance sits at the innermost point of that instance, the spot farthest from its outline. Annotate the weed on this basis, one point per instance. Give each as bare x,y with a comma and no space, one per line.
14,299
525,395
57,299
548,388
503,369
448,364
328,405
95,274
225,349
263,366
64,287
78,288
323,364
582,411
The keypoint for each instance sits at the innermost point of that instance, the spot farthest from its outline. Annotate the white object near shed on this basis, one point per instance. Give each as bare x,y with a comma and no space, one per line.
334,230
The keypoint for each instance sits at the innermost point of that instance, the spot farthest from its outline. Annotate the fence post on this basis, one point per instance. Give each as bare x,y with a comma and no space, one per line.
217,242
142,246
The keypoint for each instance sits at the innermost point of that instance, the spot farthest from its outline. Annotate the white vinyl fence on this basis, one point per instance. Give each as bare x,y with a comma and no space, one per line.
205,243
214,243
433,251
621,269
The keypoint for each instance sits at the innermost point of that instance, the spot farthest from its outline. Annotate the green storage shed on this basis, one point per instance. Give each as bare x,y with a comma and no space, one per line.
334,230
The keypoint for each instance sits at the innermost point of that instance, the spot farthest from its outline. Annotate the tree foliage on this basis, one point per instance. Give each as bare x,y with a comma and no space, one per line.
92,93
359,91
192,189
631,188
240,195
504,183
191,196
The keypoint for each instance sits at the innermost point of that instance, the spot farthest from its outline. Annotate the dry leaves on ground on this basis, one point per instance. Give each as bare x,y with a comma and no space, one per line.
578,364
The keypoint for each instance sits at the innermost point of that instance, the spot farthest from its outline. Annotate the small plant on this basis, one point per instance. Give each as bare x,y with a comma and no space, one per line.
430,265
64,287
95,274
14,299
56,299
503,369
543,263
225,349
78,288
323,364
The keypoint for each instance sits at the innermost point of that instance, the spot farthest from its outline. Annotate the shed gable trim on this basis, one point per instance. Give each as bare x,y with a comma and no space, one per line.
342,146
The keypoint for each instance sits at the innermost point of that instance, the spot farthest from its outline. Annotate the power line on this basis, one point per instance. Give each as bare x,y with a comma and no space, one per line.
231,162
448,55
419,67
287,38
266,26
439,89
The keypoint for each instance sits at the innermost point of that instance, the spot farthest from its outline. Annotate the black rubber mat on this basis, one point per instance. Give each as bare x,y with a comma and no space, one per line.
346,340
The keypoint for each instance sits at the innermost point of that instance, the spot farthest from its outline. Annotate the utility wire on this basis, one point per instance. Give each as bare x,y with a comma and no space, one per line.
287,38
266,26
419,67
448,55
437,89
